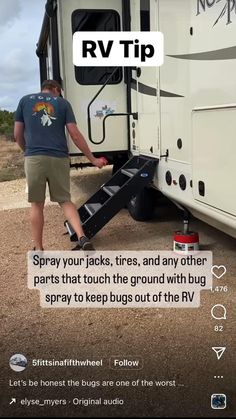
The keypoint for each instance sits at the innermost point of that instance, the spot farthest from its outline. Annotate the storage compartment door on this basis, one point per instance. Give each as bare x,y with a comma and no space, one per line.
214,157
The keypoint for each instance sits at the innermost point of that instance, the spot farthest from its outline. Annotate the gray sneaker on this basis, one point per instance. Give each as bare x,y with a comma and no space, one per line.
84,243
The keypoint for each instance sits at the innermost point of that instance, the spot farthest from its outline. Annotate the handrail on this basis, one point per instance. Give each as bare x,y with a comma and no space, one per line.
104,119
91,102
135,116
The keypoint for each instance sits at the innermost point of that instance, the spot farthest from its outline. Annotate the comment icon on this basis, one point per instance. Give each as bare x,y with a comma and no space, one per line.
218,312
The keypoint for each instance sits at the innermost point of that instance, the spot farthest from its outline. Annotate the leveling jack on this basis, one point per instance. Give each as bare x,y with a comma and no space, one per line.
185,241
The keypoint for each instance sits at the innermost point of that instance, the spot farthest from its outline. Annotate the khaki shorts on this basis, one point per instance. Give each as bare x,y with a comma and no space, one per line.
55,171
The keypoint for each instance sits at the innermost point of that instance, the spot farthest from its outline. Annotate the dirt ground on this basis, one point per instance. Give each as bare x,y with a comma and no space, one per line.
11,160
175,344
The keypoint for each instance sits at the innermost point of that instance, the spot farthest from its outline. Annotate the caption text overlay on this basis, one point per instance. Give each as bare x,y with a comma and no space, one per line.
145,279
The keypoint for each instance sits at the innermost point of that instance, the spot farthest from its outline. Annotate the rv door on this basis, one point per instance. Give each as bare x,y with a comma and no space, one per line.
81,84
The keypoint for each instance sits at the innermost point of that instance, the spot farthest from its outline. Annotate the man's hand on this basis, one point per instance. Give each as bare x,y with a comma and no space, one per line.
99,162
81,143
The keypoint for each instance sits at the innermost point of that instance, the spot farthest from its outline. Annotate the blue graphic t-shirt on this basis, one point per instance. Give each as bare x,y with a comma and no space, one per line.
44,117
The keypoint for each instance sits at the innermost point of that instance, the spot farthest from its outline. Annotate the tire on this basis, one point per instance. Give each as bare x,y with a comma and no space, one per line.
141,207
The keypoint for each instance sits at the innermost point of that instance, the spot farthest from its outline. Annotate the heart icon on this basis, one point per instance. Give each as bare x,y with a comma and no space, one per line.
218,271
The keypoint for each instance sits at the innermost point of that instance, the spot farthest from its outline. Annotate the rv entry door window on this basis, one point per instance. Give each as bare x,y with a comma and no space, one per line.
96,20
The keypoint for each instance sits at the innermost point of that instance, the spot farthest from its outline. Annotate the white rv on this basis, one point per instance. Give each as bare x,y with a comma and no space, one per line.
182,113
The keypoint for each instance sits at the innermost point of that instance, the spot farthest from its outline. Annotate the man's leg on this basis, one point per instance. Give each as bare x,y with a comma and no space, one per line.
71,214
37,222
59,188
36,182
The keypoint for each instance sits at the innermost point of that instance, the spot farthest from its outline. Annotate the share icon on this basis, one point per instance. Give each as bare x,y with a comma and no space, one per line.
219,350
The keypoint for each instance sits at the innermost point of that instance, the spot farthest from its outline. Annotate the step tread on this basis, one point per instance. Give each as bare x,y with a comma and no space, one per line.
130,172
93,207
111,189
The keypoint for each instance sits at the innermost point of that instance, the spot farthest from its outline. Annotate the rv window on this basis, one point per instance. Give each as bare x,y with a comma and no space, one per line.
96,20
145,15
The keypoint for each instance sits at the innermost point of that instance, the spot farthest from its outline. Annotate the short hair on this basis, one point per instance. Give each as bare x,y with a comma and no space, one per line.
50,85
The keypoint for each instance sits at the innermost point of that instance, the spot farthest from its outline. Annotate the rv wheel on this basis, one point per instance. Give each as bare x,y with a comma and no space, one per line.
141,207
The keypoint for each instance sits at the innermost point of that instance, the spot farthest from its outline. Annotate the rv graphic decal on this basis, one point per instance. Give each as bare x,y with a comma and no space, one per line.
227,12
100,113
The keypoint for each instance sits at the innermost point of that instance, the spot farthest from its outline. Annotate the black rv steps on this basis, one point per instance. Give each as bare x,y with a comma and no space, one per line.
137,173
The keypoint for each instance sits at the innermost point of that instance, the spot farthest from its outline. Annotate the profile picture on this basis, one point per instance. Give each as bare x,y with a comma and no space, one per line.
18,362
218,401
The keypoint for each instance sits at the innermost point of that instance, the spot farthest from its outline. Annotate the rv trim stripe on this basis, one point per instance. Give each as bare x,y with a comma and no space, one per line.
219,54
151,91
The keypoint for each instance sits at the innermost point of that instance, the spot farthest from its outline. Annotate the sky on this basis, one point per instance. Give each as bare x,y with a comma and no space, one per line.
20,25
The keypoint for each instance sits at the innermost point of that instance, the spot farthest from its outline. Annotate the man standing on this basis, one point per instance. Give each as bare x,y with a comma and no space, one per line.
39,130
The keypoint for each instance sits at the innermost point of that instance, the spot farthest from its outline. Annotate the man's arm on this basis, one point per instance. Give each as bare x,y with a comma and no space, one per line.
80,142
19,134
